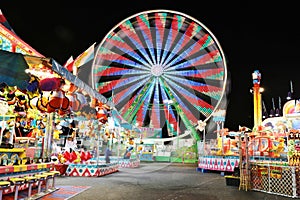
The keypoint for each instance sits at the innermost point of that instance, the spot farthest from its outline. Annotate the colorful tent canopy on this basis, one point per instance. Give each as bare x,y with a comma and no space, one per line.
11,42
16,56
12,62
12,69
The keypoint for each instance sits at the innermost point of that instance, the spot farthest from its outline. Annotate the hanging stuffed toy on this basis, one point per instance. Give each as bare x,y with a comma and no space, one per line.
74,103
39,102
21,104
50,84
2,90
131,141
32,88
10,96
58,101
82,100
102,112
72,88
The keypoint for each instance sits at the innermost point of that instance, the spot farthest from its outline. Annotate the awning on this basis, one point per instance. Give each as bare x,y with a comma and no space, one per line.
12,69
79,83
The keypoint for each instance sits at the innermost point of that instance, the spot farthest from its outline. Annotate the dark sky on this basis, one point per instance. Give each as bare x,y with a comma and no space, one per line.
253,37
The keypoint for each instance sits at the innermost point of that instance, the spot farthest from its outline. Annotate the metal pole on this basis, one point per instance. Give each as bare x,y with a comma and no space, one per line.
177,130
118,152
168,112
204,141
97,146
168,119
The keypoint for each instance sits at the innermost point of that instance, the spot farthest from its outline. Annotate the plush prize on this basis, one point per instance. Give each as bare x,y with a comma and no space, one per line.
50,84
57,101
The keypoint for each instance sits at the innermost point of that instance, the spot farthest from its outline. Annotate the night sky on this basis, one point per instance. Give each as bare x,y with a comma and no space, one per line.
252,36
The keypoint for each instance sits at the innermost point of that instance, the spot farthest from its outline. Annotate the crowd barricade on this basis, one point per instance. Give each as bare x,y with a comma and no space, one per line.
276,179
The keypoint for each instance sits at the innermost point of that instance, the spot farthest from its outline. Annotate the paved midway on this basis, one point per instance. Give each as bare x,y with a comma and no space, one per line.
161,181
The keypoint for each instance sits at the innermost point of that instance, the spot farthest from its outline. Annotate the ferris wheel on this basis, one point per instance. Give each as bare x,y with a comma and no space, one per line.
162,69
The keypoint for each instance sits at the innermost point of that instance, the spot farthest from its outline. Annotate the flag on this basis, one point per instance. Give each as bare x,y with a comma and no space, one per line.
84,72
69,64
85,57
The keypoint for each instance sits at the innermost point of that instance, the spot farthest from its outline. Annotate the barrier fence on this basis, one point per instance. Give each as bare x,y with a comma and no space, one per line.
275,179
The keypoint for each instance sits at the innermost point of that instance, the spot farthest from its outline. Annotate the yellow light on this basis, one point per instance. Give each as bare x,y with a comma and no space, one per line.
261,89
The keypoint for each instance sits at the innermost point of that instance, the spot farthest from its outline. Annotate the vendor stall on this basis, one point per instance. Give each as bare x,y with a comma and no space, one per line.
21,156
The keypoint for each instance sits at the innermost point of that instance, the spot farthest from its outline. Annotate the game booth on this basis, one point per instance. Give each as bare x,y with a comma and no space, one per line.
42,107
23,160
44,134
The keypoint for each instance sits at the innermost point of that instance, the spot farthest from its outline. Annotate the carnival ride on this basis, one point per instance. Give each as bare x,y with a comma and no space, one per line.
267,138
162,70
265,158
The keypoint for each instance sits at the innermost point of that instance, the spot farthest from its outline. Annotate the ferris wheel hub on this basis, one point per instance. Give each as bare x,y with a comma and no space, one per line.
157,70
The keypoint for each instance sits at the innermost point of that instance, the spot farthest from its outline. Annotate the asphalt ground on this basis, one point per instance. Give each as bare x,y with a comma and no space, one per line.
161,181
